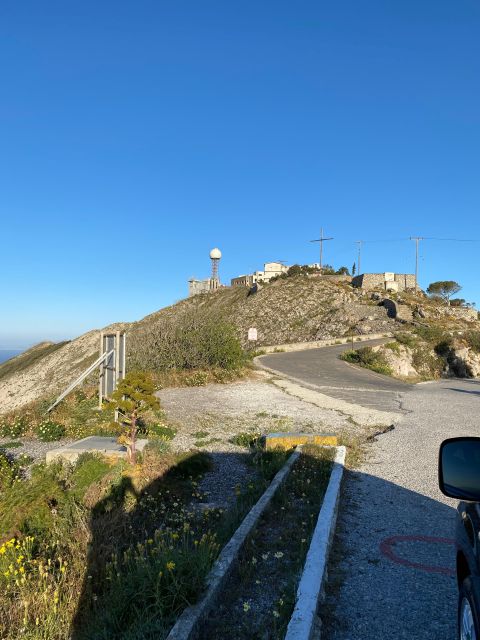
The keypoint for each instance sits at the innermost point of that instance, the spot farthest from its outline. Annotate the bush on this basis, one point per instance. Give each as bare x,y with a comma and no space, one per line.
14,428
9,470
246,439
198,379
473,340
162,431
49,431
368,358
407,339
192,341
393,346
431,334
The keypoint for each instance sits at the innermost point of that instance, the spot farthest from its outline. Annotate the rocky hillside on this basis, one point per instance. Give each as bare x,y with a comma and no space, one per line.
299,309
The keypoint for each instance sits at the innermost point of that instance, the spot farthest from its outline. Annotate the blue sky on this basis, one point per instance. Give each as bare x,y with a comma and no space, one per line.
135,136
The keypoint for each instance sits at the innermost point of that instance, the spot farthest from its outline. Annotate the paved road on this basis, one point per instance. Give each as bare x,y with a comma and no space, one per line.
393,560
322,369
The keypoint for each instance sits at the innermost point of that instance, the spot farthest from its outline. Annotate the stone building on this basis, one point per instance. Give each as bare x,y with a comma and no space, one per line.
270,269
202,286
385,281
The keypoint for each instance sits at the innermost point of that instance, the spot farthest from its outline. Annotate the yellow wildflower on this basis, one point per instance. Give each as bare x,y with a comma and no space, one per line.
170,566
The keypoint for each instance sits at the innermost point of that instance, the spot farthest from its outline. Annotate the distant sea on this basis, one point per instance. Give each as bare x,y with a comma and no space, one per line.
6,354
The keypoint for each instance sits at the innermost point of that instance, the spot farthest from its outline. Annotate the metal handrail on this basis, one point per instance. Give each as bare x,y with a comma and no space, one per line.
81,378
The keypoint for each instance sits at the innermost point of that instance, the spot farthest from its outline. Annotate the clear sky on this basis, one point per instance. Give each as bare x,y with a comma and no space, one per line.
135,136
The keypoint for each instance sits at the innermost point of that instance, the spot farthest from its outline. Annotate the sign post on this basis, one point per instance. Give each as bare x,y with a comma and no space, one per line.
252,335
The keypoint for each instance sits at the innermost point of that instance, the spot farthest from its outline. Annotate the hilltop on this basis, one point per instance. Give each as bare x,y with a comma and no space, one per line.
298,309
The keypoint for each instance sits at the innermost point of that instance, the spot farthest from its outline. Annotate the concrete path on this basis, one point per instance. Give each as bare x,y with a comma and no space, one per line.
392,569
323,370
395,529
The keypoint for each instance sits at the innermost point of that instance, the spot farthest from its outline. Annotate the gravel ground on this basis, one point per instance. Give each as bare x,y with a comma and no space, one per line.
224,410
208,417
33,447
395,494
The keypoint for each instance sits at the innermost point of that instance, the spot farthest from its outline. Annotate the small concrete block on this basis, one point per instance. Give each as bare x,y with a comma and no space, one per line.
93,444
290,440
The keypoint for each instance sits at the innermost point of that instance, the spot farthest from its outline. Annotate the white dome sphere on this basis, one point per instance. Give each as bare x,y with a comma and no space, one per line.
215,254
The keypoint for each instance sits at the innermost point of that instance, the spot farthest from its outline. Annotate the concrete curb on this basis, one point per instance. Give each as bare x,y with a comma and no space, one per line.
303,346
303,623
185,627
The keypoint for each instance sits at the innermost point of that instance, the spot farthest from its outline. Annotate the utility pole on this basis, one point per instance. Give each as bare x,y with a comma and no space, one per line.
359,242
417,240
321,240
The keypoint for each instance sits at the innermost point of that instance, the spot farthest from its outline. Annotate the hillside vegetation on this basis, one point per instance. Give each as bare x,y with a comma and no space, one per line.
297,309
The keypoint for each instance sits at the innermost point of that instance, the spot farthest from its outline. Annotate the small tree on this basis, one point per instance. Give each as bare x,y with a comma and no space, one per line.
443,288
294,270
343,271
354,268
132,397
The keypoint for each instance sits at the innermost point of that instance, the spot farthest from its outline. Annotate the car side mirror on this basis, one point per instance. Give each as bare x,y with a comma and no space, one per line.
459,468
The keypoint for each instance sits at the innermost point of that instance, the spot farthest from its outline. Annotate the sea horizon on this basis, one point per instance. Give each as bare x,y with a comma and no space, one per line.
6,354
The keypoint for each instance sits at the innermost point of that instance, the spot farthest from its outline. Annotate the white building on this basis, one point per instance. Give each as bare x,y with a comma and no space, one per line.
270,269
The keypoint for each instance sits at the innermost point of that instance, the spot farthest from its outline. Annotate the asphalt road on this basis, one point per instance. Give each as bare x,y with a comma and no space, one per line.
392,573
323,370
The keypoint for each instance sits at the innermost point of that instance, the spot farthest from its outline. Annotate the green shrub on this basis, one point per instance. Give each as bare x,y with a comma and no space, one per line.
162,431
30,506
9,470
49,431
431,334
14,428
197,379
246,438
393,346
196,340
368,358
11,445
407,339
222,376
473,340
427,364
192,464
89,468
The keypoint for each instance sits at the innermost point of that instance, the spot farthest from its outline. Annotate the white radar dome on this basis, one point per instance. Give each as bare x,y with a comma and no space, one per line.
215,254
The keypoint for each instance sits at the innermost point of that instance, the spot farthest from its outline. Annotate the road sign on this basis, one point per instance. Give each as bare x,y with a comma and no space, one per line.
252,334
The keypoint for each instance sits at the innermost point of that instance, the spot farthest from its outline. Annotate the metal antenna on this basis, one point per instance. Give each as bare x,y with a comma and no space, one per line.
359,242
417,240
321,240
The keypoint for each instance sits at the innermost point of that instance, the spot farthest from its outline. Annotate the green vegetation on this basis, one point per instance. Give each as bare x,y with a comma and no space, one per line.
305,270
197,379
443,289
49,431
13,444
132,398
473,340
191,341
407,339
102,548
393,346
260,594
162,431
13,426
246,439
368,358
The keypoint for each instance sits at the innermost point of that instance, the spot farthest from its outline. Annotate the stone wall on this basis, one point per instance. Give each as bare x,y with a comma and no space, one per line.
332,278
385,281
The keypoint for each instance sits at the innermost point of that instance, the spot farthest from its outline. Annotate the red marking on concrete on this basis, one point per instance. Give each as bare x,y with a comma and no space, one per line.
386,548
